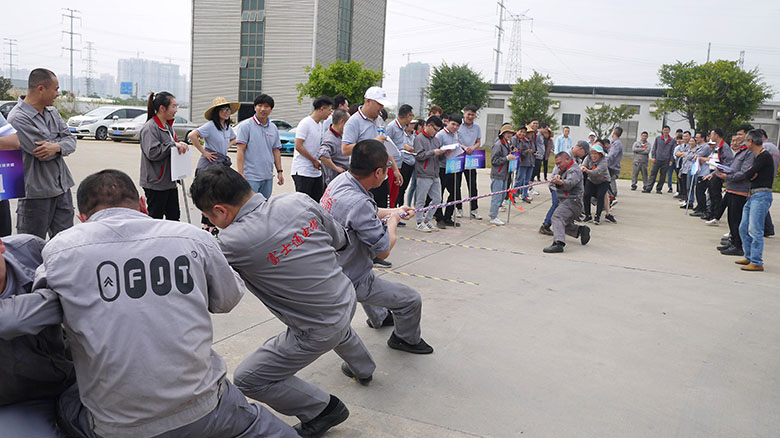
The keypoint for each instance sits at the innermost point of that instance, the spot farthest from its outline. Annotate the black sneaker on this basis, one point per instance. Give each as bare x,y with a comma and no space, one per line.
610,218
441,225
646,190
348,372
554,248
733,251
633,188
388,321
588,218
335,413
382,263
451,223
670,190
596,220
397,343
546,230
584,234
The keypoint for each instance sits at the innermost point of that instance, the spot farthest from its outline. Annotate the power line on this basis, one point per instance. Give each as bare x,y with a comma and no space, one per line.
89,71
514,65
72,16
11,44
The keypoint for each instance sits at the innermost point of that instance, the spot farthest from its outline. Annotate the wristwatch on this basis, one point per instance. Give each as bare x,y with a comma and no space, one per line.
279,171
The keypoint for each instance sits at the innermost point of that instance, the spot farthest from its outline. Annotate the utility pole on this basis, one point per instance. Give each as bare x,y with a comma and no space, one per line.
408,57
514,64
500,31
11,44
89,70
741,62
709,47
72,16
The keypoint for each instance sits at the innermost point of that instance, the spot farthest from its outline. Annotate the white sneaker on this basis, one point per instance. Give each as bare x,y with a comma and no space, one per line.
431,227
534,192
713,222
496,221
682,203
475,215
727,235
502,208
423,228
458,212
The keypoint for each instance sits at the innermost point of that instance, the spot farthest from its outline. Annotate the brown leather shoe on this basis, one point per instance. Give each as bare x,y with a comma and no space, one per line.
752,267
743,262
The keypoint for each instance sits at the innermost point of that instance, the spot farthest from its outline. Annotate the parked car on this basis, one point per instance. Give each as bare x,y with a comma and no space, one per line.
96,122
6,106
287,139
282,125
130,130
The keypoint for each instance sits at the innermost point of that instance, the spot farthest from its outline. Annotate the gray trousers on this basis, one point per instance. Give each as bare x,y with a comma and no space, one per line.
426,188
613,177
563,219
39,216
268,374
378,295
233,417
639,167
34,418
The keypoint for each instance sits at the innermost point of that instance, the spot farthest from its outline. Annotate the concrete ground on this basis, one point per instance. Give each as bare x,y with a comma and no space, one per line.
645,332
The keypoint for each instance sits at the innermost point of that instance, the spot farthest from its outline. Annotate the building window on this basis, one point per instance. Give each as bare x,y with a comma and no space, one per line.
344,40
764,114
252,45
570,120
496,103
494,122
636,108
630,133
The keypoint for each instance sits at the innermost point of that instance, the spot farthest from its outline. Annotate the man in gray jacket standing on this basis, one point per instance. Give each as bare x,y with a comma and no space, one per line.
662,159
641,151
45,139
135,309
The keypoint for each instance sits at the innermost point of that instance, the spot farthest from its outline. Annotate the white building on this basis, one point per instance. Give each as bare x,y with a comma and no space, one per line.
147,75
571,102
412,85
242,48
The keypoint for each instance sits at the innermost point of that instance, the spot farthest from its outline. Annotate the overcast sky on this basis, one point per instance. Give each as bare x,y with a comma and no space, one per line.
602,42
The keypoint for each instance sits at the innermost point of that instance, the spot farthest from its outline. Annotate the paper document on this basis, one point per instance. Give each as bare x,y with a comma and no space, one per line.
456,149
181,165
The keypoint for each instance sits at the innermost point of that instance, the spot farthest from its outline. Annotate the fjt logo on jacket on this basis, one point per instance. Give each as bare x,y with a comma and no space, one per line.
134,276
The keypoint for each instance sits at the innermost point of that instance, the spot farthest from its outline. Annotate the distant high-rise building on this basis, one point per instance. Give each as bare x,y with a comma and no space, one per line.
242,48
147,75
412,86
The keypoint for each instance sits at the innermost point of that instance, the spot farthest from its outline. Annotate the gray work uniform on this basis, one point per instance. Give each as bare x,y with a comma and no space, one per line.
426,169
614,159
136,313
331,148
641,158
285,250
397,134
157,141
48,203
354,208
525,150
359,127
34,368
569,204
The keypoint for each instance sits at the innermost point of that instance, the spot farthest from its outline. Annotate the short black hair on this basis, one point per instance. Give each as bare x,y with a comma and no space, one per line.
644,132
666,127
339,115
562,154
404,110
41,76
367,156
687,132
532,120
679,137
763,132
618,131
353,108
322,101
544,125
107,188
718,132
701,134
218,184
435,121
339,100
455,118
470,107
746,128
264,99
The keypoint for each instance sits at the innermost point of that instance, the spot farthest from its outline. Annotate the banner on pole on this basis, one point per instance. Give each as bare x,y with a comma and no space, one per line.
455,165
513,165
476,160
11,175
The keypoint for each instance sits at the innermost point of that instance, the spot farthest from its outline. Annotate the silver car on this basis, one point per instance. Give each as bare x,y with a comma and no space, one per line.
96,122
131,130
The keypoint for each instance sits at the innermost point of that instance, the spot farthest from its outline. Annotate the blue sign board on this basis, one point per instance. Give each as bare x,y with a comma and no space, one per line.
11,175
455,165
126,88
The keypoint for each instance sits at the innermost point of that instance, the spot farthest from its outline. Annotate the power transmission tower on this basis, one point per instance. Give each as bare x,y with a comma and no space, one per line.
500,36
514,64
72,16
11,43
89,71
741,62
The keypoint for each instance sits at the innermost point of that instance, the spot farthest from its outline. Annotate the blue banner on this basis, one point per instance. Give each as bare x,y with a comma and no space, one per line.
513,165
455,165
126,88
476,160
11,175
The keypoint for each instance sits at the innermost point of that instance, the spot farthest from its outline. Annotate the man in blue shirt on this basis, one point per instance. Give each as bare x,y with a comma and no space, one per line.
258,149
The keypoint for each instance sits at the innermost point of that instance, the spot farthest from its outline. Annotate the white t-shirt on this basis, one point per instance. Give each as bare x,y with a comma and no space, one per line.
311,133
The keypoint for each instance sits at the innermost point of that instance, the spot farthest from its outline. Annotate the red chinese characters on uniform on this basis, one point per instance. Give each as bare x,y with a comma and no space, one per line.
272,258
306,232
313,224
286,249
326,202
297,240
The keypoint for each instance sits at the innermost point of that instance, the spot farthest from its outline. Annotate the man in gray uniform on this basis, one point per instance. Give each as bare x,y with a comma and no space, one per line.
45,139
661,155
136,313
568,184
349,201
641,149
334,162
614,160
285,250
34,368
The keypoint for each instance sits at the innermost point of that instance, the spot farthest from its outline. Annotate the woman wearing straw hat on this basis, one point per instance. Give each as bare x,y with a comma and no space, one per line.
499,162
218,136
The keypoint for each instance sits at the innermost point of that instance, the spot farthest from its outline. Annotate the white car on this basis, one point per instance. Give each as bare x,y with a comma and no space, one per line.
127,130
96,122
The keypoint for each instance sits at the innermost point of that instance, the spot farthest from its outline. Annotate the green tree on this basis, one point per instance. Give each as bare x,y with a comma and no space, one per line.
350,79
454,86
5,87
531,99
714,94
603,120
